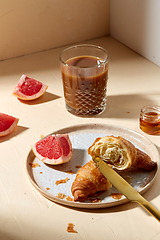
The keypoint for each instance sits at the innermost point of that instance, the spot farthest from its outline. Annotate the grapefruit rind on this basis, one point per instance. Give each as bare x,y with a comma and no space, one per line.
17,93
11,127
60,160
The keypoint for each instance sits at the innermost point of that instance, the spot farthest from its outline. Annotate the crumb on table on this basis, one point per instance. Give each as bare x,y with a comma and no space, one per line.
70,228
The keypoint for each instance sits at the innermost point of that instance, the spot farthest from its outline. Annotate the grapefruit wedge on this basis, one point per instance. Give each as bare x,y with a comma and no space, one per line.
53,149
7,124
29,88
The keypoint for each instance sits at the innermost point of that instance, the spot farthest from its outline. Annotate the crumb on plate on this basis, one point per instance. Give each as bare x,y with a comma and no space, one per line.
70,172
78,166
68,198
34,165
94,200
61,181
61,195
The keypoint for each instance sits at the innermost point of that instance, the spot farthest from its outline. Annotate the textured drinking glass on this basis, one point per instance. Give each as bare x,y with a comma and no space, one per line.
84,71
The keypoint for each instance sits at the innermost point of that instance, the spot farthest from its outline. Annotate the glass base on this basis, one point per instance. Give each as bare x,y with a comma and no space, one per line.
86,112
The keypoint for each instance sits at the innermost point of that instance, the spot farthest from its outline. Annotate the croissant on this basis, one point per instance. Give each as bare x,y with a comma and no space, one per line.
88,181
120,153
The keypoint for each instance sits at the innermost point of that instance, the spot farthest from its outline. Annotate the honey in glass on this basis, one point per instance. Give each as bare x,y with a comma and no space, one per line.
150,119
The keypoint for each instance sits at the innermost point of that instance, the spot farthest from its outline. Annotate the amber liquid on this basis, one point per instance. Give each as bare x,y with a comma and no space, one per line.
85,84
150,124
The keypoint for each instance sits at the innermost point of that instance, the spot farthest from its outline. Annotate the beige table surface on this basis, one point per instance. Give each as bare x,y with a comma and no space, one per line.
24,213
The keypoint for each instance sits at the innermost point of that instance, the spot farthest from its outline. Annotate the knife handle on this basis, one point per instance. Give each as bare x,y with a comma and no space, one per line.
149,207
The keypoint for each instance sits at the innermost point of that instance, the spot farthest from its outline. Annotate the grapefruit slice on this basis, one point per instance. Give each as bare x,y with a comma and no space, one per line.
29,88
7,124
53,149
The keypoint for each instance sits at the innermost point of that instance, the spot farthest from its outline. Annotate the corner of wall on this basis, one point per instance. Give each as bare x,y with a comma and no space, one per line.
136,24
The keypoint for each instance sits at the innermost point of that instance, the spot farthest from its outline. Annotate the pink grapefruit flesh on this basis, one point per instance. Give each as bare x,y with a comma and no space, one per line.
7,124
53,149
29,88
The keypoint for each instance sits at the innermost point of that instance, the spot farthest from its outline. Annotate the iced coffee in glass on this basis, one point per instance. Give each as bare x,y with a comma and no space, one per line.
84,71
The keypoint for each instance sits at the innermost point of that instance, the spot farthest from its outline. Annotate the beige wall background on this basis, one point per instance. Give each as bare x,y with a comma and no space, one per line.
29,26
136,24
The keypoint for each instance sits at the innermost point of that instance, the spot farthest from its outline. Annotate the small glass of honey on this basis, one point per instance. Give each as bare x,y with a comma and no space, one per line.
150,119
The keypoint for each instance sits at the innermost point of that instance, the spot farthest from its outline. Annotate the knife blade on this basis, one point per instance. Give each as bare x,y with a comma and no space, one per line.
124,187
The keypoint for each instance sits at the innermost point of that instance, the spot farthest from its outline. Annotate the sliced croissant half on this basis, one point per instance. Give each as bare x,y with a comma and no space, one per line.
120,153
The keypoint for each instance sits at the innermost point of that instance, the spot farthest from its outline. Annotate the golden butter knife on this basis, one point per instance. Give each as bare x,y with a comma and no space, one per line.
124,187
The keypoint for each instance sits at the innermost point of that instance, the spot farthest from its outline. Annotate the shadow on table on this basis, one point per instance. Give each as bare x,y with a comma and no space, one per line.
19,129
125,106
46,97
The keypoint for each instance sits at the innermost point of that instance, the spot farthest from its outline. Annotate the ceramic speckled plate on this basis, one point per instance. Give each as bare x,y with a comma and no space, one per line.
44,177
